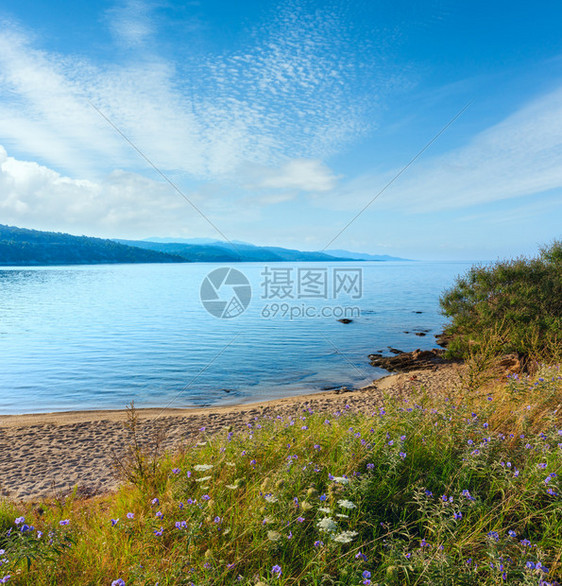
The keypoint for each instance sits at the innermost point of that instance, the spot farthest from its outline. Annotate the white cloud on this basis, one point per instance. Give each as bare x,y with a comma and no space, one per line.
520,156
307,175
283,95
130,23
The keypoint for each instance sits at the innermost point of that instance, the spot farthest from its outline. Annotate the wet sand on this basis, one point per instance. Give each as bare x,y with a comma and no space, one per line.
50,454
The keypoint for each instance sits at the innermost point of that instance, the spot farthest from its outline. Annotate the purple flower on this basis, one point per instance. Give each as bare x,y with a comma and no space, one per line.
176,470
217,519
118,582
155,501
457,516
403,455
300,519
5,579
159,514
64,522
19,520
114,522
360,555
276,570
366,574
318,543
130,515
159,532
322,497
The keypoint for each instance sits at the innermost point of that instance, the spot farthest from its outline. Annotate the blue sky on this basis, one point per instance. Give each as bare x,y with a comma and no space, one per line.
281,120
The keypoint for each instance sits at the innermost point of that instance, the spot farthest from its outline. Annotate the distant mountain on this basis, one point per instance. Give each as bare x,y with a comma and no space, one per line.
218,251
363,256
22,247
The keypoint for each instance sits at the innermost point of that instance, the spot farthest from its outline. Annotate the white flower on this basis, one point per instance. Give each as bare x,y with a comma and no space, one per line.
342,516
345,537
327,524
231,487
340,480
204,479
324,510
201,444
230,464
346,504
270,498
273,535
202,467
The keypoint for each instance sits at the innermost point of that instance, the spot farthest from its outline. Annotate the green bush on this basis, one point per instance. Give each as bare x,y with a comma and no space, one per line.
514,304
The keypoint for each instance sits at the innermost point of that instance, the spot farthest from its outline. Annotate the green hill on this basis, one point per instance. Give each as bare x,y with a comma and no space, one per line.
22,247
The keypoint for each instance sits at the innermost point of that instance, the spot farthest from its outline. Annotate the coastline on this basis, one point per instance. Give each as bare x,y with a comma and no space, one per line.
50,454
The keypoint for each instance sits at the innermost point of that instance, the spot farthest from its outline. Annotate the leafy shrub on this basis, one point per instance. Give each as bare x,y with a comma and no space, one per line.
516,303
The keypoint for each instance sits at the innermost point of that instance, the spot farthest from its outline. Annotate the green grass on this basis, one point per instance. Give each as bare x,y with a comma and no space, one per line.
437,490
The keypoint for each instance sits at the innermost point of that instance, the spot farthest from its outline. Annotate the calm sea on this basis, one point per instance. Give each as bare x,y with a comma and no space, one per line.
98,337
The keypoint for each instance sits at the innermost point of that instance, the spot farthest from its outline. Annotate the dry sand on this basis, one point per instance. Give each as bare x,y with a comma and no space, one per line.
42,455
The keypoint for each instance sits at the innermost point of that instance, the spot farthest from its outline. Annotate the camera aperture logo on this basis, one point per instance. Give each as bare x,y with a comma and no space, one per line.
225,293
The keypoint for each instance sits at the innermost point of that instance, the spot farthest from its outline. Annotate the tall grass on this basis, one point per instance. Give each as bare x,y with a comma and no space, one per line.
460,488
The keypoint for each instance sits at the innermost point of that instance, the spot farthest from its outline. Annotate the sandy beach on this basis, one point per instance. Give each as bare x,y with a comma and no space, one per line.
50,454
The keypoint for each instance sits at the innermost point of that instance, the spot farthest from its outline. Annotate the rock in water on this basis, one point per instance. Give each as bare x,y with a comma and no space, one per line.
406,361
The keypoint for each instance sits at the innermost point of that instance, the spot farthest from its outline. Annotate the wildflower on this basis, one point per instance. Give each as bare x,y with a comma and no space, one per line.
181,524
130,515
345,537
318,543
525,543
346,504
176,470
494,535
530,565
217,520
324,510
457,516
273,535
340,479
64,522
118,582
270,498
19,520
276,570
360,556
159,532
327,524
204,479
300,519
155,501
366,574
159,514
205,497
202,467
322,497
114,522
403,455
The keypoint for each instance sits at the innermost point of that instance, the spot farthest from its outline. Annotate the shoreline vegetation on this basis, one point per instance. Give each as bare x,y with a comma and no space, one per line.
446,475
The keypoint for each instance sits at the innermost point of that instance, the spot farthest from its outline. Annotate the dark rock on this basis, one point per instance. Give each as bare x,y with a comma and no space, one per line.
345,320
342,390
406,332
421,334
417,311
443,339
395,350
406,361
511,364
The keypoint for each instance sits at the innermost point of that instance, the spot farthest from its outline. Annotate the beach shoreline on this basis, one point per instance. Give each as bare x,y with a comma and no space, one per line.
49,454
